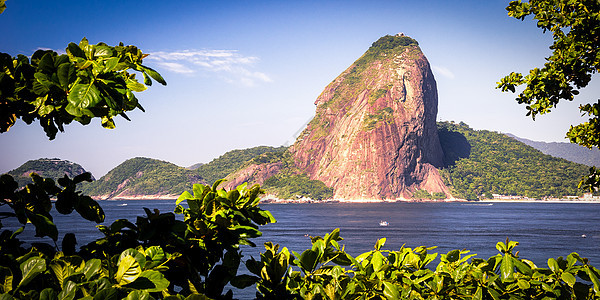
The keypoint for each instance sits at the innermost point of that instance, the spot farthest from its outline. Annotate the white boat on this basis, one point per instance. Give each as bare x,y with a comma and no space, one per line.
383,223
123,204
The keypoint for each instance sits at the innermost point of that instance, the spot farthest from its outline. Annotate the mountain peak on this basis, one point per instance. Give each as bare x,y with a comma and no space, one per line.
374,134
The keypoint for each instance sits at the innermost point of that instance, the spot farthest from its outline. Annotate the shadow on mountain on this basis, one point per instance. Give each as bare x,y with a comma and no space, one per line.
454,145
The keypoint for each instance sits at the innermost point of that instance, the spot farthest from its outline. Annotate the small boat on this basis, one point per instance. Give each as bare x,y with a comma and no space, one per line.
583,236
383,223
123,204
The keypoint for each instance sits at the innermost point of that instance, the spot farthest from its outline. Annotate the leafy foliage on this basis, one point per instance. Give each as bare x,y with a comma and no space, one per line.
143,176
491,162
327,271
89,81
159,256
32,204
45,167
575,28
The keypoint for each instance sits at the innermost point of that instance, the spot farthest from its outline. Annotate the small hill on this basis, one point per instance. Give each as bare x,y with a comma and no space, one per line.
278,175
143,177
231,161
46,167
485,162
571,152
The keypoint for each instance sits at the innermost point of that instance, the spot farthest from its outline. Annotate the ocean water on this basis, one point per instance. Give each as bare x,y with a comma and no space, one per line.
543,230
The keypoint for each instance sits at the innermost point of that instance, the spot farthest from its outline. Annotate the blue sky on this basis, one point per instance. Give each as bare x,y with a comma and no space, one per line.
246,73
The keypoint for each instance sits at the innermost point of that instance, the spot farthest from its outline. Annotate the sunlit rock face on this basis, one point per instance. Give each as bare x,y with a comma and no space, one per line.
374,134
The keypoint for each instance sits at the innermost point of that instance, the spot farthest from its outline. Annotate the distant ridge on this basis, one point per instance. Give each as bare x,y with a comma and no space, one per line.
571,152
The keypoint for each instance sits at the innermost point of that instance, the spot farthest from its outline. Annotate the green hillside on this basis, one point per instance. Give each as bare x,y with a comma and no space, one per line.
477,162
290,183
484,162
143,176
46,167
231,161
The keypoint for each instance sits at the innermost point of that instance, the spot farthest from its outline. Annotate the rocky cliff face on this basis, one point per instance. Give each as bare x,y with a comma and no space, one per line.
374,134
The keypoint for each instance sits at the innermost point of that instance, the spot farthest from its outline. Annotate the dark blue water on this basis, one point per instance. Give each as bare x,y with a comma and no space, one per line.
543,230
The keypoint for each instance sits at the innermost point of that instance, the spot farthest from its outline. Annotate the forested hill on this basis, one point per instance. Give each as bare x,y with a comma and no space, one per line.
486,162
477,162
143,176
231,161
571,152
46,167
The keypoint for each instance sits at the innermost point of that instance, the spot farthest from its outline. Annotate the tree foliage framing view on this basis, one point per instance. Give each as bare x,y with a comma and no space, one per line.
575,28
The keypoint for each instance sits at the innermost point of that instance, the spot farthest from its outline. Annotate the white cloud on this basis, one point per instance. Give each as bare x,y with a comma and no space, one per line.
443,71
228,64
58,51
176,67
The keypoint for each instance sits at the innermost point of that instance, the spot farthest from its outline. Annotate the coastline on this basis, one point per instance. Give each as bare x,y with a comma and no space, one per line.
271,199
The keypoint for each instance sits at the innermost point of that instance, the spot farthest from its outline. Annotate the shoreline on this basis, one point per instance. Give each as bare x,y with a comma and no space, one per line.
269,199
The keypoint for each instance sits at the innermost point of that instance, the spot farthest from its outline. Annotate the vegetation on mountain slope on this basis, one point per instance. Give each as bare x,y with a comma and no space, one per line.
484,162
143,176
289,182
46,167
231,161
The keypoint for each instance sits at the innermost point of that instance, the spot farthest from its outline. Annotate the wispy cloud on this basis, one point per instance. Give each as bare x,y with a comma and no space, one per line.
228,64
443,71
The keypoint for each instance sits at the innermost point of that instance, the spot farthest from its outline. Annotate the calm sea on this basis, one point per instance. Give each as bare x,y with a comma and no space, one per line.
543,230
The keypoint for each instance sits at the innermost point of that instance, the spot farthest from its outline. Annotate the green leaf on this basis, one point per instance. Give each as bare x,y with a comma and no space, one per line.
102,51
135,86
129,270
184,196
108,293
73,51
453,255
553,265
68,292
43,226
139,256
138,295
84,95
7,276
593,279
89,209
217,183
243,281
30,269
48,294
150,280
92,267
61,270
66,75
523,284
154,256
308,260
568,278
111,64
390,291
380,243
377,261
154,75
506,268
